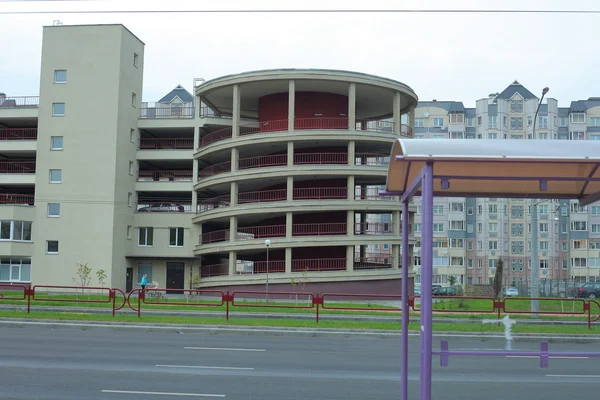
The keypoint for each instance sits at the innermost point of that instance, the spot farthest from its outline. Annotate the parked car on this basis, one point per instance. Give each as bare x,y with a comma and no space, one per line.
590,290
510,291
163,207
447,291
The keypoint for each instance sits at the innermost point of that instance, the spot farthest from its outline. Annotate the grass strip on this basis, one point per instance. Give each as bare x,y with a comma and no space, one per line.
289,323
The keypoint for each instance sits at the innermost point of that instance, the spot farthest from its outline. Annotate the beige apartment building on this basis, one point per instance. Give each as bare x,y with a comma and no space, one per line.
471,235
260,174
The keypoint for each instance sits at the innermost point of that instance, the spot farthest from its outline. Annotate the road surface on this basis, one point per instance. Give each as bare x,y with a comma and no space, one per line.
69,363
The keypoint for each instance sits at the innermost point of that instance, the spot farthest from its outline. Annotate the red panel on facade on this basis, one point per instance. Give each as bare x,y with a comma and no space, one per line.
308,105
307,253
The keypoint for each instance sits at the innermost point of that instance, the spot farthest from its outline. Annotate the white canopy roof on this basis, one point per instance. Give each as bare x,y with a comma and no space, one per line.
499,168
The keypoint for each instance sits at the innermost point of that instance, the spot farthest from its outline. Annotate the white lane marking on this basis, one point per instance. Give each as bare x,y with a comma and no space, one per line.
221,348
163,393
201,367
557,357
573,376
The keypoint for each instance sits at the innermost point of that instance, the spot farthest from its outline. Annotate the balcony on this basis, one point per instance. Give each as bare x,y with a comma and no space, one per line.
166,111
165,176
315,229
166,143
20,102
164,206
17,167
16,199
18,134
316,123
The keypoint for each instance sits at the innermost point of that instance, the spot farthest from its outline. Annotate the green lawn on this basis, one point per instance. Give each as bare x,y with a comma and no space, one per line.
389,326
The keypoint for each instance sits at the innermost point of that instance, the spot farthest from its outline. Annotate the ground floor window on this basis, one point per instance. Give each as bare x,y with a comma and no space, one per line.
15,269
144,268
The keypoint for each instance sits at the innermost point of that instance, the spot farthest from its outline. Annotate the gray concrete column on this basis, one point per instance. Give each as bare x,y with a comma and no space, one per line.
290,188
351,187
233,198
352,106
289,225
395,256
288,260
235,123
350,221
232,228
396,223
235,159
349,258
351,152
291,104
290,154
397,115
232,262
196,138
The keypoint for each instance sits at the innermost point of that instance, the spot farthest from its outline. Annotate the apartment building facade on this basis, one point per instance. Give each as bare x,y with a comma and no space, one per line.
471,235
267,172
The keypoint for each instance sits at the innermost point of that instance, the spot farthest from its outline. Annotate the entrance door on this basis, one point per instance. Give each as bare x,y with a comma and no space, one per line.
175,277
129,280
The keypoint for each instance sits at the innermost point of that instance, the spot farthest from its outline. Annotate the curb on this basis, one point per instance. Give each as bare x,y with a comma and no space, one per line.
282,331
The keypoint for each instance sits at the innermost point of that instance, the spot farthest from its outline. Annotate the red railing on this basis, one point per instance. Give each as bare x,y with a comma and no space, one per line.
335,228
215,169
215,136
214,270
272,160
166,143
321,158
20,102
260,267
373,228
321,193
373,262
163,206
372,125
214,236
371,159
16,198
17,167
215,202
259,232
319,264
262,196
18,134
321,123
264,126
165,176
167,112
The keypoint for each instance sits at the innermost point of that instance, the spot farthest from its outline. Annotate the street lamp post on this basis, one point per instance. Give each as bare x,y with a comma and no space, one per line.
267,243
535,264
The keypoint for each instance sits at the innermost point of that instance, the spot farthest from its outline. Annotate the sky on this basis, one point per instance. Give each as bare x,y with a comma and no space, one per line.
442,56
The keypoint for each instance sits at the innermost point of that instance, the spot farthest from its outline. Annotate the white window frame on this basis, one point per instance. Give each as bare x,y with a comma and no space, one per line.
135,59
53,215
12,229
143,232
58,114
53,145
56,80
133,99
179,237
59,171
21,263
574,118
48,247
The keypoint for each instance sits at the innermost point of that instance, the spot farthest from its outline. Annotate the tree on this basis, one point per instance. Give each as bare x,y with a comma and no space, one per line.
82,276
498,278
299,282
194,283
452,280
101,275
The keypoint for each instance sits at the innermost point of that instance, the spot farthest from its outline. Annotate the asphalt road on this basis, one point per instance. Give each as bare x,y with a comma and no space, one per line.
67,363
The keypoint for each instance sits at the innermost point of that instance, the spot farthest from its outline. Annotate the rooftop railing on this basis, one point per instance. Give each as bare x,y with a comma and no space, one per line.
19,102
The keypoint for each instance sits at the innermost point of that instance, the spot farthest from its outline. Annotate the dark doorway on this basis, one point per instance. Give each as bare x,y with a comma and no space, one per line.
129,280
175,277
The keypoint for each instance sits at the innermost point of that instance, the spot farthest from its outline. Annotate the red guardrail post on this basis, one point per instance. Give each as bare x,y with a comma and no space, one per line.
29,291
139,310
227,299
588,307
317,300
113,295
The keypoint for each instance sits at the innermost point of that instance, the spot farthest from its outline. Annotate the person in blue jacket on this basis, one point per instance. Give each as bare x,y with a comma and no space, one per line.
144,282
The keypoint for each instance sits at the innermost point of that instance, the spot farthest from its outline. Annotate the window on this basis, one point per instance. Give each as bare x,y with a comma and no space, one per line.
457,118
56,143
176,237
457,135
135,59
128,231
438,228
577,135
438,210
457,243
457,225
130,167
470,122
516,106
529,120
15,269
493,209
543,245
579,226
53,210
58,109
457,207
492,263
145,236
542,136
470,228
438,122
55,175
595,210
419,122
132,135
130,199
563,122
52,247
595,121
133,99
492,122
493,245
543,122
492,136
577,118
516,123
493,227
417,228
15,230
60,76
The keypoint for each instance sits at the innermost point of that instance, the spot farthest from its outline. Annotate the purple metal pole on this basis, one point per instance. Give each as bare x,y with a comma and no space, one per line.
426,280
405,312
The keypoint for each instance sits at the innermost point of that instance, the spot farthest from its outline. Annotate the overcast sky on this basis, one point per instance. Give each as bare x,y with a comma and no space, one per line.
460,57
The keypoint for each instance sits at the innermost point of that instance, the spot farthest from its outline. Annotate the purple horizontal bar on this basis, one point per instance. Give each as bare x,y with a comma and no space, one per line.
515,353
490,160
517,178
541,195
